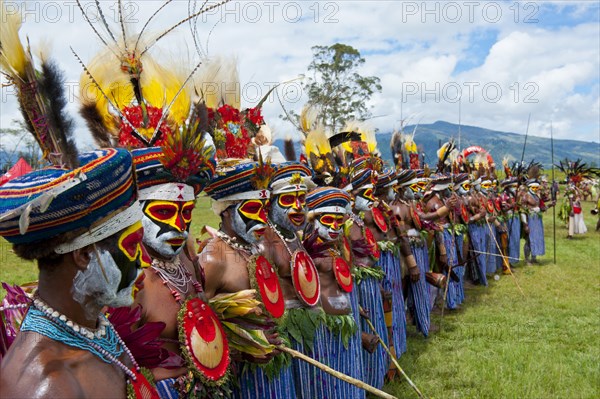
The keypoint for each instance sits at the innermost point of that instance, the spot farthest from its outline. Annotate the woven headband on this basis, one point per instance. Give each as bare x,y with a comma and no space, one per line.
168,192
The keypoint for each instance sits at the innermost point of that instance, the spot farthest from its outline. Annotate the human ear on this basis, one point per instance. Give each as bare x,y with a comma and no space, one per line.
82,257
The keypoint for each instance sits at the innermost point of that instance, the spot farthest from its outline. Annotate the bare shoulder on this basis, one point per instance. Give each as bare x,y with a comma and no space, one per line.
38,367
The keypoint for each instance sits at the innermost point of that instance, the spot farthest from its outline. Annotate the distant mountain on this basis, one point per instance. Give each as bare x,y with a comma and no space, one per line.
499,144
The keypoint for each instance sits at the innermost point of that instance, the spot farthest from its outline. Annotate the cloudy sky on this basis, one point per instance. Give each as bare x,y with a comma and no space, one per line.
503,60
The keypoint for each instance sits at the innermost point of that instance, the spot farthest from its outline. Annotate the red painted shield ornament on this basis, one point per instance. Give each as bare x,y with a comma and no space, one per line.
498,205
490,206
269,287
464,214
305,278
141,387
342,272
346,248
416,219
379,220
205,347
372,243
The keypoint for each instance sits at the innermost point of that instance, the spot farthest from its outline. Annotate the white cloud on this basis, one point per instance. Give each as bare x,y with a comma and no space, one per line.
405,44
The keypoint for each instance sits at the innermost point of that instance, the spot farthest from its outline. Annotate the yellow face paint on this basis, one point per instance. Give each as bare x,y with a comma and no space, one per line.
130,243
296,200
177,215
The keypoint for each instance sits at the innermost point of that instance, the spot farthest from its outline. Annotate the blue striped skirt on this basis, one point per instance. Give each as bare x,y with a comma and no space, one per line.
479,243
514,239
492,258
452,297
536,234
312,382
376,363
166,390
392,282
419,302
254,384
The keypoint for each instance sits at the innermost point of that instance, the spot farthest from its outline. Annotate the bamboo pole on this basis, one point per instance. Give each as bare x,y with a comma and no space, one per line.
501,254
336,374
394,360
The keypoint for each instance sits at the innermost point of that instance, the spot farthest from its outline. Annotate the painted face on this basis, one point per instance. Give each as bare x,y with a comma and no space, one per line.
288,210
249,219
512,189
329,226
485,186
409,193
533,189
364,199
463,188
109,277
166,225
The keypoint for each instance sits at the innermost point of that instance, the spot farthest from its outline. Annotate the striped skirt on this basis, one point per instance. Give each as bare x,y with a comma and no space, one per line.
392,282
312,382
460,270
376,363
419,302
536,234
479,243
254,384
452,297
492,249
514,239
166,390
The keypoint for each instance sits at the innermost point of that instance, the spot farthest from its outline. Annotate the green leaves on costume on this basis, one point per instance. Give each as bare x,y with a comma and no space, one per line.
301,324
344,326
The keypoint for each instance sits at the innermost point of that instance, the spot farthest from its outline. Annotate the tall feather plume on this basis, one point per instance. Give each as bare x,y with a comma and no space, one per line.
40,94
308,118
396,147
443,154
289,150
218,83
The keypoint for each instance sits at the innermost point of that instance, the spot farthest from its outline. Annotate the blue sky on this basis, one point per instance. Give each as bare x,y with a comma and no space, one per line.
543,60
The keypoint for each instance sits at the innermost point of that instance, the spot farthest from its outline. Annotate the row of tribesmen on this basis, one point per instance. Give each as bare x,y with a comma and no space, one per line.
327,257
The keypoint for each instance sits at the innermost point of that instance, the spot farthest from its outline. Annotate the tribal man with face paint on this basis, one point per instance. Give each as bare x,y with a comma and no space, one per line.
396,260
339,347
508,202
233,261
167,203
531,219
87,243
368,274
440,200
477,209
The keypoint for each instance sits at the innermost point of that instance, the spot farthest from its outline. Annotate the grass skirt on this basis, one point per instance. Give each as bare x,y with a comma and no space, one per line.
376,363
312,382
392,282
514,239
419,301
479,243
452,297
536,234
254,384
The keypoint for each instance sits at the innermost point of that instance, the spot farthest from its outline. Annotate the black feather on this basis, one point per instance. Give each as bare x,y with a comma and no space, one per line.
289,150
343,137
51,88
94,121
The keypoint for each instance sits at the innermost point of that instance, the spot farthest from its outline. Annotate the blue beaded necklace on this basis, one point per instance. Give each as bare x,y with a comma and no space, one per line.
38,321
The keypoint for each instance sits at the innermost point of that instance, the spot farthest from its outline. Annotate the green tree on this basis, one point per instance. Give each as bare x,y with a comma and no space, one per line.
336,87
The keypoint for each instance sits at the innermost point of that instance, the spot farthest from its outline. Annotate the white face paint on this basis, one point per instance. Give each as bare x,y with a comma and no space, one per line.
329,226
156,238
93,290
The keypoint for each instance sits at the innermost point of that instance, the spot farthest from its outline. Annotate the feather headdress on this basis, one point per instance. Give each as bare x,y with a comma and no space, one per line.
446,156
577,171
404,150
40,93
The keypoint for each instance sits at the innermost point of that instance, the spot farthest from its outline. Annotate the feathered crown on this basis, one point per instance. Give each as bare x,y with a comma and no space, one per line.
131,100
577,171
40,93
404,150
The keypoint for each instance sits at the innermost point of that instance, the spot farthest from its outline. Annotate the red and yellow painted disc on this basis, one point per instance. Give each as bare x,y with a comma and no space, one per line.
305,278
205,341
464,214
372,243
490,206
379,220
142,387
416,219
343,274
269,287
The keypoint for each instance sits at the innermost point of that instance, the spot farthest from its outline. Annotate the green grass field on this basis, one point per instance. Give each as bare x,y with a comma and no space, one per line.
500,345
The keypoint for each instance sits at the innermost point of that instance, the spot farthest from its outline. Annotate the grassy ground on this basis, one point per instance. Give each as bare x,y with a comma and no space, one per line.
500,345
